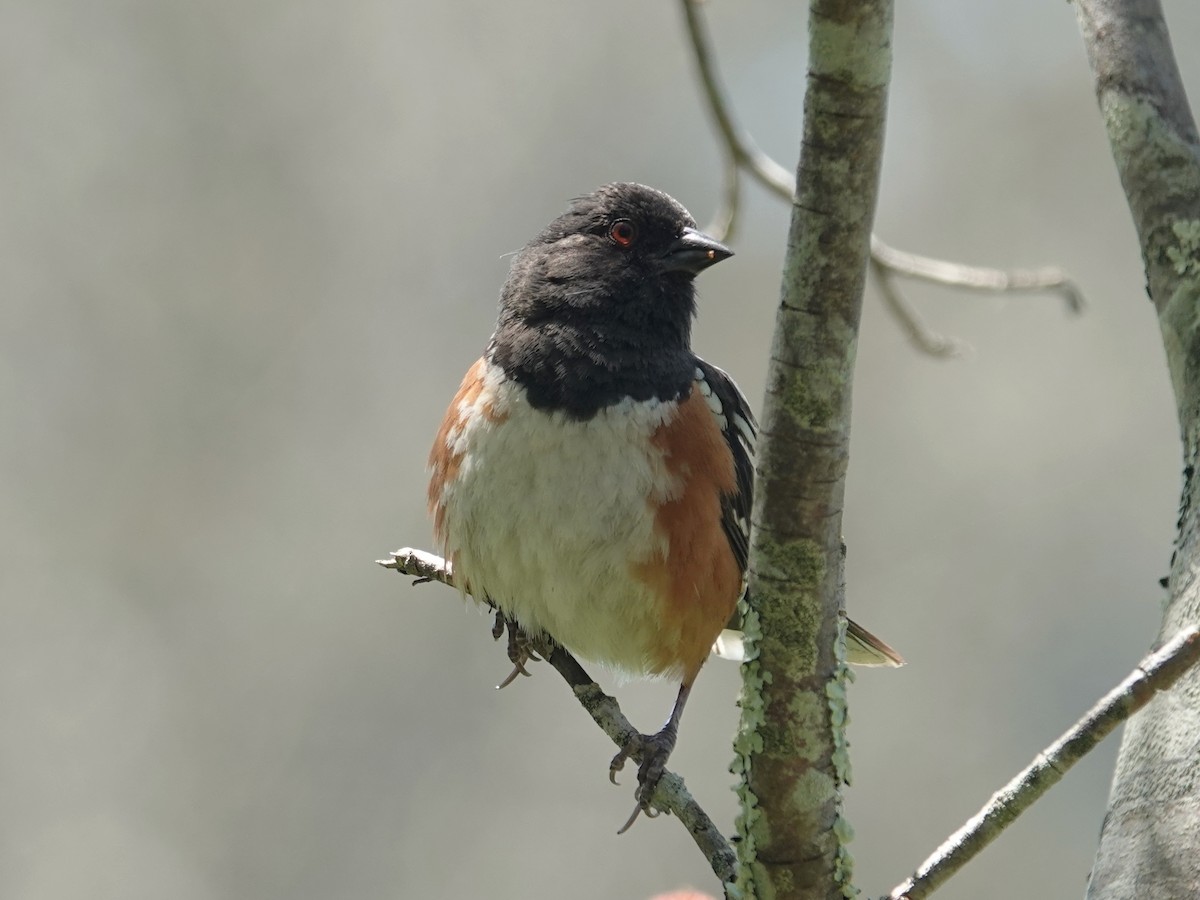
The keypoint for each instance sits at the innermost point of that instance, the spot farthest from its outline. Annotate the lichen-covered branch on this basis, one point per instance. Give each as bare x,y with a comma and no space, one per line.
1155,673
1151,131
672,795
791,745
1150,841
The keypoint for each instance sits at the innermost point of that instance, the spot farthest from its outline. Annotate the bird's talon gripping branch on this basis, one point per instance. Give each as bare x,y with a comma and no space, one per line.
653,751
522,647
656,751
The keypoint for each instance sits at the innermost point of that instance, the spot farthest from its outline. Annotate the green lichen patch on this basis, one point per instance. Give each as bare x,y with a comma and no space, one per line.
1185,255
746,745
800,562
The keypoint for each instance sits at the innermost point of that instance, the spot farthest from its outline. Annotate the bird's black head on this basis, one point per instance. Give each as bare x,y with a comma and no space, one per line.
599,305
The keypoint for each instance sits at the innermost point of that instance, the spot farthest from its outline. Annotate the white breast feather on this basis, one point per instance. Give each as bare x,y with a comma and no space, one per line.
576,493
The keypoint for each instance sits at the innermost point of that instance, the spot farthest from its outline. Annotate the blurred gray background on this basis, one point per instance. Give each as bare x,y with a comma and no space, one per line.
246,252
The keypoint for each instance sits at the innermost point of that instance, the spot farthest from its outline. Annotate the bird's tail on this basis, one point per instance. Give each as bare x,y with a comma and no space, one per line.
862,647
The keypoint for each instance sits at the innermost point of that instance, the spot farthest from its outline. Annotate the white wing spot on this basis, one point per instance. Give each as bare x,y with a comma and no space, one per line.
714,403
745,430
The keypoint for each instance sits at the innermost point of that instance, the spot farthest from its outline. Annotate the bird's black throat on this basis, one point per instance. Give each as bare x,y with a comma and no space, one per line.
599,306
579,370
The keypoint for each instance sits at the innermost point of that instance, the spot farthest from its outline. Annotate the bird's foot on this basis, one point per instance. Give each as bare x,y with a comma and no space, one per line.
522,647
653,750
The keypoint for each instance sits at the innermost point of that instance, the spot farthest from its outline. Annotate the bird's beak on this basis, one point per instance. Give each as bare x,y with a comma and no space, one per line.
693,252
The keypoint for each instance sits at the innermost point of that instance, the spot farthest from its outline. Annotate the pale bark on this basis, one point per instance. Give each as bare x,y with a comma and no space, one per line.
791,747
1150,842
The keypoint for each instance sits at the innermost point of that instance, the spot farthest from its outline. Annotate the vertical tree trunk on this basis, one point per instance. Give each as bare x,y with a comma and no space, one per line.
791,748
1150,842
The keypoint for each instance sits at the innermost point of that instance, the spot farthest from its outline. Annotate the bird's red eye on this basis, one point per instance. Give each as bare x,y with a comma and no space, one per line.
622,232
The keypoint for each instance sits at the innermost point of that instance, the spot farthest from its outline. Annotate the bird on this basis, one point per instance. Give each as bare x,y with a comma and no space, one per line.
592,478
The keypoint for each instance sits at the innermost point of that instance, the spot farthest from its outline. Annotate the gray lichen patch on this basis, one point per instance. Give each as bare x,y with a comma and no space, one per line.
1179,322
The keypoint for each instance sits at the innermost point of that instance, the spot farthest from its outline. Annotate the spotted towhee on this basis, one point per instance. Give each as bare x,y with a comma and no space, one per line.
592,477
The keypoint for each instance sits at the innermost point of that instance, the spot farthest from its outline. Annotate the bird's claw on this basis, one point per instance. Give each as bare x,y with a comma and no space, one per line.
654,750
618,761
637,811
522,647
518,669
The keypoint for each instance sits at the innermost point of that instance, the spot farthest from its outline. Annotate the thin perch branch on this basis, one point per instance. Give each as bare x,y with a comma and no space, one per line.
672,795
1155,673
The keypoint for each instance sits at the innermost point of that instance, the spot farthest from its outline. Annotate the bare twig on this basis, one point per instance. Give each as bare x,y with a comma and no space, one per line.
1155,673
420,564
741,152
887,263
923,337
738,143
672,795
724,220
977,278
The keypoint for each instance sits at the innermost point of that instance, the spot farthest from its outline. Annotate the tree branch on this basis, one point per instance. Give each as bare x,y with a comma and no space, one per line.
977,278
1151,130
1157,672
921,335
741,152
672,795
791,747
1150,839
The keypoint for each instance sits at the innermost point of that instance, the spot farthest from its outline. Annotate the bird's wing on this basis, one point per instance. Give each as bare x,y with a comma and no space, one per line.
740,431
